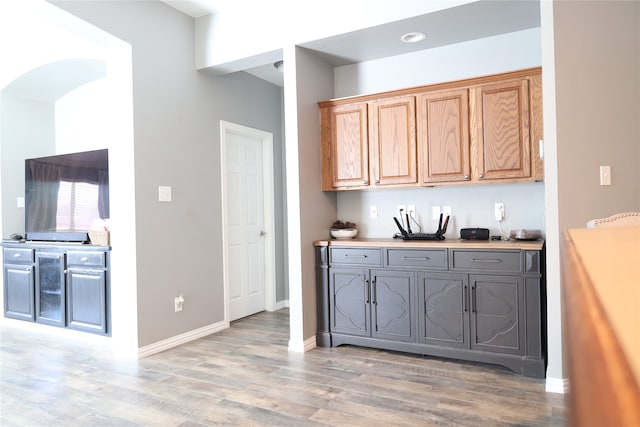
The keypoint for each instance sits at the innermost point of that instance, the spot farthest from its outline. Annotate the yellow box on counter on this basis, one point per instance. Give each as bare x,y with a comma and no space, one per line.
99,237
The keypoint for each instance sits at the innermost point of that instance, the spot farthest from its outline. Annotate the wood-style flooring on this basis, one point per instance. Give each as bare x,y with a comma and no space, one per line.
245,376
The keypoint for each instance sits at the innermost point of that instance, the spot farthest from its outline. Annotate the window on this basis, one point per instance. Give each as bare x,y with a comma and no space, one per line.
77,205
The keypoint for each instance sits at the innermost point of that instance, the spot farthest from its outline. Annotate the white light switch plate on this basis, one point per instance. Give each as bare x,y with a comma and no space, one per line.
605,175
164,193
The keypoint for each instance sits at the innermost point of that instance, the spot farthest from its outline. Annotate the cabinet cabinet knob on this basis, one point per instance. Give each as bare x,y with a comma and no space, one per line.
466,177
365,182
481,175
16,255
84,259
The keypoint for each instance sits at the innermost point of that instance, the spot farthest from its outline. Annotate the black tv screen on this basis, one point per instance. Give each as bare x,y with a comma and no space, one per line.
66,195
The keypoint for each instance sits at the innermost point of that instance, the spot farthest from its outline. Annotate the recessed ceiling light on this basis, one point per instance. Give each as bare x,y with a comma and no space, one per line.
413,37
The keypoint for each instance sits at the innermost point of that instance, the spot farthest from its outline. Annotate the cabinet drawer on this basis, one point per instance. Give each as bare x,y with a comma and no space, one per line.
17,255
355,256
421,258
499,261
85,259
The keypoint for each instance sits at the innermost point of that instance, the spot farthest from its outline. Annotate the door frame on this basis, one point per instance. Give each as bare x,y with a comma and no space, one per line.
227,128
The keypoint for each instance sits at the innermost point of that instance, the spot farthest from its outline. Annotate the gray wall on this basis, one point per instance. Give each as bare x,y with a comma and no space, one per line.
597,94
591,89
314,79
176,132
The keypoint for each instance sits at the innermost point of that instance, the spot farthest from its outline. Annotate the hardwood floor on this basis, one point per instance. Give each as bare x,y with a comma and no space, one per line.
245,376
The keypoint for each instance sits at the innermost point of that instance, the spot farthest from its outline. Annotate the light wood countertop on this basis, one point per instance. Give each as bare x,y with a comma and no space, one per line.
602,308
535,245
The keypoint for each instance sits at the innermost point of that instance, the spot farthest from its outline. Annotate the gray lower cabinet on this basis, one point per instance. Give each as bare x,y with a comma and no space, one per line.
373,303
50,288
472,311
19,280
87,291
497,314
56,286
444,315
479,305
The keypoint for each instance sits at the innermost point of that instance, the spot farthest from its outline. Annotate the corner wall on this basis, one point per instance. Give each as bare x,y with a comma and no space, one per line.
591,84
176,116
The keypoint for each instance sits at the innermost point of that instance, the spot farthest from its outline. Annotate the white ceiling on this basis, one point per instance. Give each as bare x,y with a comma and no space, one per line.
470,21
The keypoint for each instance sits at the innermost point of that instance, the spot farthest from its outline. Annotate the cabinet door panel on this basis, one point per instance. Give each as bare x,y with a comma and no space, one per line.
502,135
497,313
350,299
443,129
445,309
18,292
86,300
393,305
392,144
348,142
50,288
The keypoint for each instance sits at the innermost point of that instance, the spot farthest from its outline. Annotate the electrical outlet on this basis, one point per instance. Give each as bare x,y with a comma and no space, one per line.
401,210
446,211
499,211
178,302
435,212
373,211
411,210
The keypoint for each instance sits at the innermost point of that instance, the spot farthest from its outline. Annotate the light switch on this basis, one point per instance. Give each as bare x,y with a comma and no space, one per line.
20,202
164,193
605,175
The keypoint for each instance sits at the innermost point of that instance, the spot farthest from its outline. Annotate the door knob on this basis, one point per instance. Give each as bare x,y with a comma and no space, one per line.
262,233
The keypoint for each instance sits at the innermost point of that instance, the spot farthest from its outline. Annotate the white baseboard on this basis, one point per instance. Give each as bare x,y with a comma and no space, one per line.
163,345
302,346
557,385
281,304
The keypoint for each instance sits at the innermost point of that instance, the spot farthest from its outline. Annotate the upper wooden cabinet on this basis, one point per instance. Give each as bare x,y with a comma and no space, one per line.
345,148
392,141
480,130
443,135
500,130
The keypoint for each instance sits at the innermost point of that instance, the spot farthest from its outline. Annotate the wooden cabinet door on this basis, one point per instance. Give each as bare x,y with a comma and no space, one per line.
86,300
345,146
349,300
444,310
497,314
392,305
18,292
392,141
443,136
500,129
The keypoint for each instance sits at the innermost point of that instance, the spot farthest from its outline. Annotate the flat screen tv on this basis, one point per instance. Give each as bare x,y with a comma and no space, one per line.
66,195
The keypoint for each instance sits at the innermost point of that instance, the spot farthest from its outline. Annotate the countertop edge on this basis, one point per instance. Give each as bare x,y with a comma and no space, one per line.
535,245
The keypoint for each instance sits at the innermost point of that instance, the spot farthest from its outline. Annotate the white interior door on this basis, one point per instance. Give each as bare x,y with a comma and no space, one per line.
247,228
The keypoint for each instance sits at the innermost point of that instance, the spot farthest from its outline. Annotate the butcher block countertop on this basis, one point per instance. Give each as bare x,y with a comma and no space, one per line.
602,309
535,245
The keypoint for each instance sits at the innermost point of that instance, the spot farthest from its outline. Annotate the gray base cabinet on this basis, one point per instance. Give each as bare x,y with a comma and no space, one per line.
19,281
478,305
373,303
50,288
58,285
